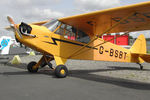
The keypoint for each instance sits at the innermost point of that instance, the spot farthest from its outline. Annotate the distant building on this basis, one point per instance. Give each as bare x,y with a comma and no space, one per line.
117,39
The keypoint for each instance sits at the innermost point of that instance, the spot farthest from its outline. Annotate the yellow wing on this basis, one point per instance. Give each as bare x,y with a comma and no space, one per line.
97,22
34,23
40,23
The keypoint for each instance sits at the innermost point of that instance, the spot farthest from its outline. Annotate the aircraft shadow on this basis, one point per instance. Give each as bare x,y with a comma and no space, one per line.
86,74
127,68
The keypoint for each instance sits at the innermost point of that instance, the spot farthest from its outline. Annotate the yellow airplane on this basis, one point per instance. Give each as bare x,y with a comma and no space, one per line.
78,37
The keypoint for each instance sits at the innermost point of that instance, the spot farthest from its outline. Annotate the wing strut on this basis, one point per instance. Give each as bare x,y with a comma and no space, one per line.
107,30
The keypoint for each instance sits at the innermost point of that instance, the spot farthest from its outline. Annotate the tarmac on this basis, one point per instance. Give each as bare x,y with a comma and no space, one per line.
87,80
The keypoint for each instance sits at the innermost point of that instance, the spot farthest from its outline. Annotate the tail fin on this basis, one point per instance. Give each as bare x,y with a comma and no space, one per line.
139,45
138,50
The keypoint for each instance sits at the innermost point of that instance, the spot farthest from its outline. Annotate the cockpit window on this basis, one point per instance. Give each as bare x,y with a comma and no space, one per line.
82,37
72,33
52,25
67,31
61,30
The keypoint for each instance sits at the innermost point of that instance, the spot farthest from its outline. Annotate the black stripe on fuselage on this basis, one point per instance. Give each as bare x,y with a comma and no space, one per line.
55,39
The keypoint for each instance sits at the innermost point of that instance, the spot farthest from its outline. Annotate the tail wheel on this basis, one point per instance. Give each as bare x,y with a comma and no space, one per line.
61,71
31,68
141,67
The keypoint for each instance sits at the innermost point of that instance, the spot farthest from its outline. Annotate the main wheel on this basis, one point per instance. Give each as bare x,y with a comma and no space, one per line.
30,67
61,71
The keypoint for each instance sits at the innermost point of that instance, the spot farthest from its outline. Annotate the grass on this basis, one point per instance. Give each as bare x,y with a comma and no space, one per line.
148,52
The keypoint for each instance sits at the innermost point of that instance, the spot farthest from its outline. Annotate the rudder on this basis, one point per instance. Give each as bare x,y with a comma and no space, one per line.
139,45
138,49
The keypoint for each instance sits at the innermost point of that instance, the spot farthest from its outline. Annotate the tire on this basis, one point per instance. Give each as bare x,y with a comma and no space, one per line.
30,67
61,71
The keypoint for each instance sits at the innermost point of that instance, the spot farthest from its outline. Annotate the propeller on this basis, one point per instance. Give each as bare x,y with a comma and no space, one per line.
13,26
15,29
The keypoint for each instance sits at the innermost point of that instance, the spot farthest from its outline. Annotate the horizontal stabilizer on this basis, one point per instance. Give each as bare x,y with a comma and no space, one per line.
145,57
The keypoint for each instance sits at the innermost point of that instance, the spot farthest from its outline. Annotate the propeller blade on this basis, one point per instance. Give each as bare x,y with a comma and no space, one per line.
9,28
10,20
13,25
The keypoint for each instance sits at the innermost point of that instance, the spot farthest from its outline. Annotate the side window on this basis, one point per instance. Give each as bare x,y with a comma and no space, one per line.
72,33
69,33
82,37
61,30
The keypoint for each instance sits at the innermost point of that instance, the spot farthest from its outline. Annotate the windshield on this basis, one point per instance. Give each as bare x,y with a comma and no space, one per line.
52,25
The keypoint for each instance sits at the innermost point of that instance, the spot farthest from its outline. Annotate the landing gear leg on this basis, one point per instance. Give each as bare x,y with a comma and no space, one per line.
45,60
141,67
61,70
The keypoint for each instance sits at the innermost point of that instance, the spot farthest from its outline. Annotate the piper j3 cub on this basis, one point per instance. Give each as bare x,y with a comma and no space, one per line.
78,37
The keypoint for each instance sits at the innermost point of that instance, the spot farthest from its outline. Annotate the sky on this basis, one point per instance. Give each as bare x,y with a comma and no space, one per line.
39,10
